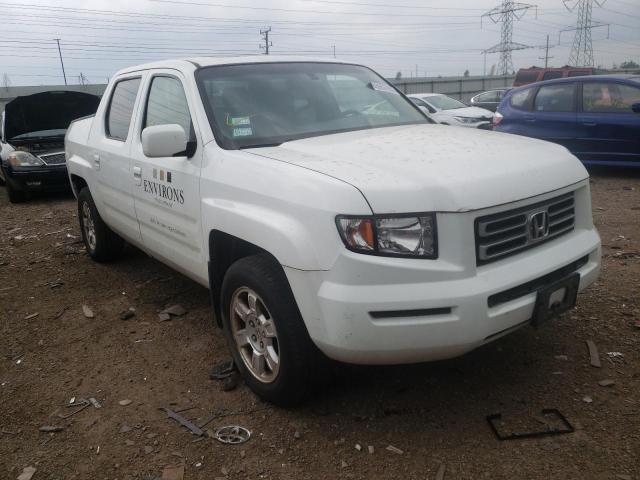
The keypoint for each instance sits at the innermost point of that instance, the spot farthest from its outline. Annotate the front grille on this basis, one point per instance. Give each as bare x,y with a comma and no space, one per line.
512,231
53,158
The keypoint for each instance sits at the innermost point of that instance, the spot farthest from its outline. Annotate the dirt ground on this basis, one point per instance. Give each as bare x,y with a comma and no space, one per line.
434,413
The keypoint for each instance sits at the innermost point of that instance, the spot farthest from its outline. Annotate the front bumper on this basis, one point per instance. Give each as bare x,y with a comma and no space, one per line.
38,179
433,309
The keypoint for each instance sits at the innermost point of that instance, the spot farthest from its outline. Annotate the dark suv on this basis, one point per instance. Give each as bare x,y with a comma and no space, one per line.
596,117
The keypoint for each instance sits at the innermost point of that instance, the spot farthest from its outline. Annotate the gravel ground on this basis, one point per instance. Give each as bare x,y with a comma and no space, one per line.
433,413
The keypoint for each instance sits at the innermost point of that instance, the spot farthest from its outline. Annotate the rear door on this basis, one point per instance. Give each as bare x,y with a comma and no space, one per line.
110,145
610,129
553,117
167,190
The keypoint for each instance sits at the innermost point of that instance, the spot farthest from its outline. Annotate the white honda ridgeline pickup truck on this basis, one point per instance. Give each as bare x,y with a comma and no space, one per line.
327,215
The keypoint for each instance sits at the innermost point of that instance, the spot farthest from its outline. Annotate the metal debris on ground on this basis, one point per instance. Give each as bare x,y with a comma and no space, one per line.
232,434
393,449
594,356
175,310
607,382
173,472
551,412
615,354
125,402
27,473
222,370
183,421
164,317
31,315
587,399
87,311
50,429
81,404
95,403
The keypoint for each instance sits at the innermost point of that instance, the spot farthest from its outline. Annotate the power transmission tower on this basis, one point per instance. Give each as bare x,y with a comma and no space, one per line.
582,50
506,13
546,53
82,80
265,37
61,62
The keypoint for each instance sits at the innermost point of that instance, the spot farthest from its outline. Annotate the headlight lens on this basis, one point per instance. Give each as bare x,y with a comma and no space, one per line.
394,235
466,119
23,159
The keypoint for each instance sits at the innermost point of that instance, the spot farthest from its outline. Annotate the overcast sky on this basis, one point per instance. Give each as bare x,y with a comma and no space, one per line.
434,37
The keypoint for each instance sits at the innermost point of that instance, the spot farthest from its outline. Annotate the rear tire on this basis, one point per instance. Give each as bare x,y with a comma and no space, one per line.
288,365
102,244
16,196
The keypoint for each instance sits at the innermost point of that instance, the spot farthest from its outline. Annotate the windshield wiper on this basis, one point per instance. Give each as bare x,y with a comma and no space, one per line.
261,145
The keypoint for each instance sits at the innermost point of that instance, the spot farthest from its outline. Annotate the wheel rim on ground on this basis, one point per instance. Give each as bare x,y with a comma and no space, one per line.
89,227
254,333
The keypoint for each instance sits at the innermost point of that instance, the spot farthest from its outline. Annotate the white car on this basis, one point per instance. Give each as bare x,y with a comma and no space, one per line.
324,231
449,111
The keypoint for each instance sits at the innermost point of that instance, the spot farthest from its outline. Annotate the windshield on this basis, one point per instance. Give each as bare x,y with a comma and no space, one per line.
58,132
263,104
442,102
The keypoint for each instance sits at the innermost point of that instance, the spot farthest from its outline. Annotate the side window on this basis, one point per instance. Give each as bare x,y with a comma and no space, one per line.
167,104
121,108
555,98
551,75
488,97
608,97
520,99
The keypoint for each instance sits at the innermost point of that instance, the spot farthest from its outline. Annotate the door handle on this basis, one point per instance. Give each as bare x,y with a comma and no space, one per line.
137,175
96,160
589,124
530,119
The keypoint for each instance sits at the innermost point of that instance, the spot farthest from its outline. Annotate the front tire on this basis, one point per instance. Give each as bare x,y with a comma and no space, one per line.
265,332
102,244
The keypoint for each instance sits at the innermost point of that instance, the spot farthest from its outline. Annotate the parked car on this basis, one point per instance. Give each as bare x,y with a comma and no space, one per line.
596,117
449,111
322,230
32,141
526,76
489,100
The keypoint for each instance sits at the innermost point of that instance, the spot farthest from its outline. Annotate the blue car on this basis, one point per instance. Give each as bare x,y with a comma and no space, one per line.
596,117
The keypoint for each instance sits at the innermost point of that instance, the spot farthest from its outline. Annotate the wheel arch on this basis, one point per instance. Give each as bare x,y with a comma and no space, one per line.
224,250
77,184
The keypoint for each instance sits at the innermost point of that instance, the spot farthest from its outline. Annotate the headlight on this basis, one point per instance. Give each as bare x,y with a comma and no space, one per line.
23,159
466,119
391,235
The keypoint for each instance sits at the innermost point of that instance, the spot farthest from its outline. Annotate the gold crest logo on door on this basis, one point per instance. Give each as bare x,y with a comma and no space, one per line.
162,175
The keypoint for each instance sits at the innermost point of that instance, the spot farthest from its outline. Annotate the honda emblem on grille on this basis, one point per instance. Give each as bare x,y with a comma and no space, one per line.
538,225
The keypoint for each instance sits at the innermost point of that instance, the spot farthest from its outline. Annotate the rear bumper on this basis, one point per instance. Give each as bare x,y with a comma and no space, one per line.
39,179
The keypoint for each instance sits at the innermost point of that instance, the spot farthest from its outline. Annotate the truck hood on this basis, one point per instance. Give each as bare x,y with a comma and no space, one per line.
46,112
433,167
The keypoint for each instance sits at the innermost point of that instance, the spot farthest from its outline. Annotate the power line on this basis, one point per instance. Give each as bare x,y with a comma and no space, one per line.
61,62
506,13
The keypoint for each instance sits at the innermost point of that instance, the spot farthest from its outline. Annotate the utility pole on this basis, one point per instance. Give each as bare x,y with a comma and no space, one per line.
61,62
484,65
506,13
334,51
265,37
582,49
546,54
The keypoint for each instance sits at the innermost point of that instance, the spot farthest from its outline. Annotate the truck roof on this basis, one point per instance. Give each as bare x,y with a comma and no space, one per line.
192,63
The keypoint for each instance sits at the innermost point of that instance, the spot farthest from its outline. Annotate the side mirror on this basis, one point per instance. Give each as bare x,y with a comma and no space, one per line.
164,141
635,107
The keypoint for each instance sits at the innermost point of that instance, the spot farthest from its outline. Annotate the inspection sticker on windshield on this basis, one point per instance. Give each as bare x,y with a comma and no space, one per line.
242,132
382,87
237,121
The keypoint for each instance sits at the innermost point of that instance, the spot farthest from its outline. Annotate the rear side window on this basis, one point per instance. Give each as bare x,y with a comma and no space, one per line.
555,98
488,97
167,104
526,77
551,75
121,108
520,99
609,97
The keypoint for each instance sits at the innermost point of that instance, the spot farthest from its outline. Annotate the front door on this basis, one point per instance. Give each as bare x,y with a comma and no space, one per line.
610,128
111,144
167,190
554,115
